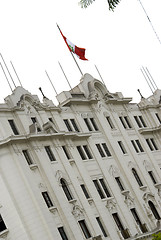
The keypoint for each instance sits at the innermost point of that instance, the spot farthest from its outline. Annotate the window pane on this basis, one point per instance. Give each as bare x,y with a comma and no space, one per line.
74,125
105,188
106,149
47,199
88,124
110,122
87,151
67,125
134,145
66,189
66,152
119,183
27,157
142,121
84,229
62,233
50,153
154,144
151,174
81,152
99,190
100,150
137,121
128,122
2,224
85,191
122,121
139,145
13,126
101,226
137,177
94,124
122,147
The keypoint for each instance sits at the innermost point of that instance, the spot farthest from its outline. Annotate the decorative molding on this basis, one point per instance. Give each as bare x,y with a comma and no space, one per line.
78,212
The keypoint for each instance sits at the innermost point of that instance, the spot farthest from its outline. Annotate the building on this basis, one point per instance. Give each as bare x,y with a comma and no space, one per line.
89,168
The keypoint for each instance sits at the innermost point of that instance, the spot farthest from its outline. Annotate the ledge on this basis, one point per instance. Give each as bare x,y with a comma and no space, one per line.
4,233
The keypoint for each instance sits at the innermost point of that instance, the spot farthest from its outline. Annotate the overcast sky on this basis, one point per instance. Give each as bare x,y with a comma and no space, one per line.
119,43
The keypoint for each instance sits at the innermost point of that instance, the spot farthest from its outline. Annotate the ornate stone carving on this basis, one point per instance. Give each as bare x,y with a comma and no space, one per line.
77,211
111,205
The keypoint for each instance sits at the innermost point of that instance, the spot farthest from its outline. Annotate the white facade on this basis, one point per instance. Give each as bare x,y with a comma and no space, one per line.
89,168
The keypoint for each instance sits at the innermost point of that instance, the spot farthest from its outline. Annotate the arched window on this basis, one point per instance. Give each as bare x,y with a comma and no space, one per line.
137,177
154,210
66,189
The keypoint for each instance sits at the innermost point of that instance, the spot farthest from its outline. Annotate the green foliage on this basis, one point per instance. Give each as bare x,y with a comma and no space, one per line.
157,236
112,3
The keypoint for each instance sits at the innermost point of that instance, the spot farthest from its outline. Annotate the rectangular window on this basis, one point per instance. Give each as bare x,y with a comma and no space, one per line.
85,191
84,152
66,152
105,187
122,147
101,188
125,122
140,121
74,125
84,228
100,150
2,224
119,182
81,152
151,174
103,150
134,145
87,124
110,122
50,153
62,233
66,121
47,199
151,143
136,217
27,157
118,222
34,120
137,146
91,124
157,115
101,226
13,126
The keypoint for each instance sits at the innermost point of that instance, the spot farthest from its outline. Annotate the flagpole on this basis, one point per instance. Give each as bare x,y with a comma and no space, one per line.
76,63
65,76
70,51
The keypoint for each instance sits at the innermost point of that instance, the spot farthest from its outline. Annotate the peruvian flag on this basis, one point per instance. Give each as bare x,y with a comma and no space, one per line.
80,52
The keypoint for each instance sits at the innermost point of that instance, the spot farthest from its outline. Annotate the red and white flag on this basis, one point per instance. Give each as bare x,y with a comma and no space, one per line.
80,52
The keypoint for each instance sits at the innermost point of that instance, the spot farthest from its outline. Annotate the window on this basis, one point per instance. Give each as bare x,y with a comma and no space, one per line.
121,145
101,188
125,122
137,146
84,228
66,189
137,177
66,152
13,126
103,150
34,120
157,115
50,153
110,122
71,125
101,226
118,222
27,157
2,224
137,219
91,124
85,191
151,174
154,210
84,152
62,233
152,144
47,199
140,121
119,182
